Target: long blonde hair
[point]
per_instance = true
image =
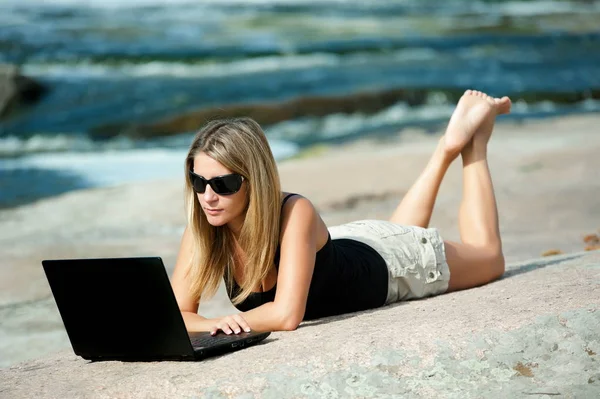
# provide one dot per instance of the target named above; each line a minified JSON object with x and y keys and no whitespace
{"x":242,"y":147}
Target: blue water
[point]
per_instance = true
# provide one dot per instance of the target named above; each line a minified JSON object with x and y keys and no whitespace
{"x":111,"y":63}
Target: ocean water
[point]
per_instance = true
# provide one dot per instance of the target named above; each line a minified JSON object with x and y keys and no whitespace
{"x":111,"y":64}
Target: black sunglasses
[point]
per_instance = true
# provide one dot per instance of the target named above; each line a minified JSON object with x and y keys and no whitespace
{"x":222,"y":185}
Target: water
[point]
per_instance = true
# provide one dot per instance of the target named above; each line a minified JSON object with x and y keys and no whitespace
{"x":113,"y":64}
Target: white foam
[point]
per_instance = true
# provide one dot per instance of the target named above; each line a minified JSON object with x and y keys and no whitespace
{"x":84,"y":69}
{"x":164,"y":3}
{"x":107,"y":168}
{"x":176,"y":69}
{"x":523,"y":8}
{"x":12,"y":146}
{"x":341,"y":125}
{"x":541,"y":7}
{"x":44,"y":143}
{"x":590,"y":104}
{"x":103,"y":168}
{"x":437,"y":108}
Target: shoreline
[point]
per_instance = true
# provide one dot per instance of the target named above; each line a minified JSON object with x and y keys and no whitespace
{"x":544,"y":174}
{"x":61,"y":168}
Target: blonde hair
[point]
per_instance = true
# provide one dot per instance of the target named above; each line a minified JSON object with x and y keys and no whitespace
{"x":242,"y":147}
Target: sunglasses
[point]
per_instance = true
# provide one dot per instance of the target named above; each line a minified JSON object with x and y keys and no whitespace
{"x":222,"y":185}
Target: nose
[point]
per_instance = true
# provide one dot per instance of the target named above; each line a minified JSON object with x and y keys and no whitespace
{"x":209,"y":194}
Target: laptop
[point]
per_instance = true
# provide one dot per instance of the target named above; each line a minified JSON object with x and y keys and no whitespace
{"x":125,"y":309}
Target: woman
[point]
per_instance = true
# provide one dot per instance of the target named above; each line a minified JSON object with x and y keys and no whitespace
{"x":281,"y":264}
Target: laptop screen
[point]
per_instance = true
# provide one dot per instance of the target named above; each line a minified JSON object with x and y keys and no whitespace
{"x":117,"y":307}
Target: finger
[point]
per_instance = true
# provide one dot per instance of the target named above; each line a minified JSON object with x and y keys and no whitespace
{"x":233,"y":325}
{"x":217,"y":327}
{"x":242,"y":322}
{"x":225,"y":327}
{"x":220,"y":327}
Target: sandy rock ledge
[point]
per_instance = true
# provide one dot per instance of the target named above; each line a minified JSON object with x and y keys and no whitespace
{"x":534,"y":333}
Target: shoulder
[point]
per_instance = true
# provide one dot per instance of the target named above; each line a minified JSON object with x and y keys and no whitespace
{"x":301,"y":222}
{"x":297,"y":210}
{"x":293,"y":203}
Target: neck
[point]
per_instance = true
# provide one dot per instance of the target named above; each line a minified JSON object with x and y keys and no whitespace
{"x":235,"y":226}
{"x":235,"y":231}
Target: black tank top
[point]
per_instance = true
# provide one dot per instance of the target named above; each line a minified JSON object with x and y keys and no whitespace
{"x":349,"y":276}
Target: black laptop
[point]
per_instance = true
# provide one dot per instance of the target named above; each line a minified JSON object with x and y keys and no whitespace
{"x":125,"y":309}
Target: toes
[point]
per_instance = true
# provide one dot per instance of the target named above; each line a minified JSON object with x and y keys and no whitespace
{"x":484,"y":96}
{"x":474,"y":93}
{"x":504,"y":105}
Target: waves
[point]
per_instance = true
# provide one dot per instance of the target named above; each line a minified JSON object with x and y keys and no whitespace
{"x":33,"y":175}
{"x":115,"y":56}
{"x":518,"y":7}
{"x":115,"y":33}
{"x":104,"y":96}
{"x":45,"y":165}
{"x":287,"y":137}
{"x":84,"y":70}
{"x":129,"y":78}
{"x":13,"y":147}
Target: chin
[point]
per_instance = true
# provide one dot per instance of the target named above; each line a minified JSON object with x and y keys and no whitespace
{"x":216,"y":221}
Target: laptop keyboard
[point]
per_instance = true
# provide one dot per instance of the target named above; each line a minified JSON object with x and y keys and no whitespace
{"x":207,"y":340}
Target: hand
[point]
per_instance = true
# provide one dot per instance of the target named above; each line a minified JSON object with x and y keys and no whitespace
{"x":230,"y":324}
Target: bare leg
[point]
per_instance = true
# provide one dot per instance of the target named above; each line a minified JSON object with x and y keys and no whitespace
{"x":416,"y":207}
{"x":478,"y":259}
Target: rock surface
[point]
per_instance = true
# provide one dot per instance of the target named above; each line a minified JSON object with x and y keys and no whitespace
{"x":534,"y":332}
{"x":16,"y":90}
{"x":368,"y":102}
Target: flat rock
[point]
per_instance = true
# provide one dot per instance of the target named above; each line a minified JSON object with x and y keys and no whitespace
{"x":269,"y":113}
{"x":534,"y":333}
{"x":17,"y":90}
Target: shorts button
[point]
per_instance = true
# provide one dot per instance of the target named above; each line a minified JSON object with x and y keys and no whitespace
{"x":431,"y":275}
{"x":424,"y":240}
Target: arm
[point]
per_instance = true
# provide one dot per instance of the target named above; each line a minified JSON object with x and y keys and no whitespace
{"x":180,"y":283}
{"x":300,"y":227}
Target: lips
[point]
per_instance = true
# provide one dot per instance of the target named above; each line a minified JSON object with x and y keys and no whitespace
{"x":213,"y":211}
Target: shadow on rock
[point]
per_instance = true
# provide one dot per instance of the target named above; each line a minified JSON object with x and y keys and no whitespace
{"x":345,"y":316}
{"x":529,"y":267}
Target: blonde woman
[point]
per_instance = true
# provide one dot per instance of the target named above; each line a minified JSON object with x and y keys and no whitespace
{"x":282,"y":265}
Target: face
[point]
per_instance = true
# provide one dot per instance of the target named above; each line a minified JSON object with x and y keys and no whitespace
{"x":220,"y":209}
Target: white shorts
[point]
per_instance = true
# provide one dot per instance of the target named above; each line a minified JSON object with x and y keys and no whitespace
{"x":415,"y":256}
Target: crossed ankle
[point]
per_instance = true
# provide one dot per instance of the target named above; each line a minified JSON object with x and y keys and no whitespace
{"x":475,"y":147}
{"x":443,"y":155}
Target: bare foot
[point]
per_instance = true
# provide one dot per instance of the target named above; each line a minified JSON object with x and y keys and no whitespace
{"x":475,"y":111}
{"x":483,"y":134}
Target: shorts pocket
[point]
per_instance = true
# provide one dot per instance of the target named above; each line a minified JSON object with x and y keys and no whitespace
{"x":404,"y":258}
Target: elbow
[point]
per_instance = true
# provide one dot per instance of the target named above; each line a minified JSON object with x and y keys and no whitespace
{"x":290,"y":321}
{"x":289,"y":325}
